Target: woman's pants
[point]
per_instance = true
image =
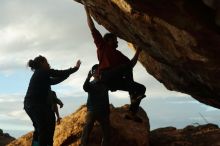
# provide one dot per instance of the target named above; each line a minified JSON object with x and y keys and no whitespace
{"x":44,"y":122}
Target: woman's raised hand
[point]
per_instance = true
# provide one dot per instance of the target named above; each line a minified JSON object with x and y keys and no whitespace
{"x":78,"y":63}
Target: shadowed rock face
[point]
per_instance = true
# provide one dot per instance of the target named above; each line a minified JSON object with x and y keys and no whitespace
{"x":179,"y":38}
{"x":204,"y":135}
{"x":5,"y":138}
{"x":124,"y":132}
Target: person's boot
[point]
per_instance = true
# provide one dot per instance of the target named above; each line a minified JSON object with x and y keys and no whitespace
{"x":135,"y":102}
{"x":135,"y":99}
{"x":140,"y":97}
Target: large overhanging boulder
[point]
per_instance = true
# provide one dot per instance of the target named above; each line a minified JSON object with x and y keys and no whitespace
{"x":179,"y":38}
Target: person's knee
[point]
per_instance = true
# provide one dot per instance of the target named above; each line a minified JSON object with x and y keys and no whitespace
{"x":143,"y":88}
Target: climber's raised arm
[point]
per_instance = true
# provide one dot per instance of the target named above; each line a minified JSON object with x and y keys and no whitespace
{"x":95,"y":33}
{"x":89,"y":19}
{"x":135,"y":58}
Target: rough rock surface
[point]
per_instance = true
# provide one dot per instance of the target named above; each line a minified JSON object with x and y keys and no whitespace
{"x":5,"y":138}
{"x":123,"y":132}
{"x":205,"y":135}
{"x":215,"y":5}
{"x":128,"y":133}
{"x":179,"y":38}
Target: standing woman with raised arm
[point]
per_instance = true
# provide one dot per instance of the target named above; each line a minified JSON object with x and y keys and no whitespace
{"x":36,"y":103}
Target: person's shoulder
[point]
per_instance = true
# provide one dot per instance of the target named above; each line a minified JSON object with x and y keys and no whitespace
{"x":39,"y":71}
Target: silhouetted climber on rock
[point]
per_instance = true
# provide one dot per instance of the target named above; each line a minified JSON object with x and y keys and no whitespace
{"x":97,"y":107}
{"x":115,"y":69}
{"x":36,"y":99}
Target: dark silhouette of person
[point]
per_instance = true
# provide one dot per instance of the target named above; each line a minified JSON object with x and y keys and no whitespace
{"x":54,"y":101}
{"x":97,"y":107}
{"x":36,"y":98}
{"x":115,"y":68}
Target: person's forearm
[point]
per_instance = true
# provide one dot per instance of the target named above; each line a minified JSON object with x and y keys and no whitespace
{"x":135,"y":58}
{"x":89,"y":19}
{"x":90,"y":22}
{"x":57,"y":112}
{"x":57,"y":80}
{"x":57,"y":76}
{"x":60,"y":73}
{"x":74,"y":69}
{"x":87,"y":84}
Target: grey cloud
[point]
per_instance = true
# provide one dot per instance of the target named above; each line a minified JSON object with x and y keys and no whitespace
{"x":57,"y":29}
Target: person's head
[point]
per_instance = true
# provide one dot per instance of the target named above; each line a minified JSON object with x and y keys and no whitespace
{"x":94,"y":71}
{"x":111,"y":40}
{"x":39,"y":62}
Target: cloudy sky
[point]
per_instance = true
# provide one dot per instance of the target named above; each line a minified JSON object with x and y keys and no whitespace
{"x":57,"y":29}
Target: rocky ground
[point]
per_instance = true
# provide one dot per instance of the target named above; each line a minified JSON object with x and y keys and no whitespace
{"x":126,"y":132}
{"x":202,"y":135}
{"x":5,"y":138}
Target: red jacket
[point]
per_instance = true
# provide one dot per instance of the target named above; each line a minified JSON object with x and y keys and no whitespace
{"x":108,"y":57}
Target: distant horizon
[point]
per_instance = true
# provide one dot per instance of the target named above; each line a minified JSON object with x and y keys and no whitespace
{"x":58,"y":30}
{"x":156,"y":120}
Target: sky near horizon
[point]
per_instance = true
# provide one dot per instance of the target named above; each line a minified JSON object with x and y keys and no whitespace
{"x":58,"y":30}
